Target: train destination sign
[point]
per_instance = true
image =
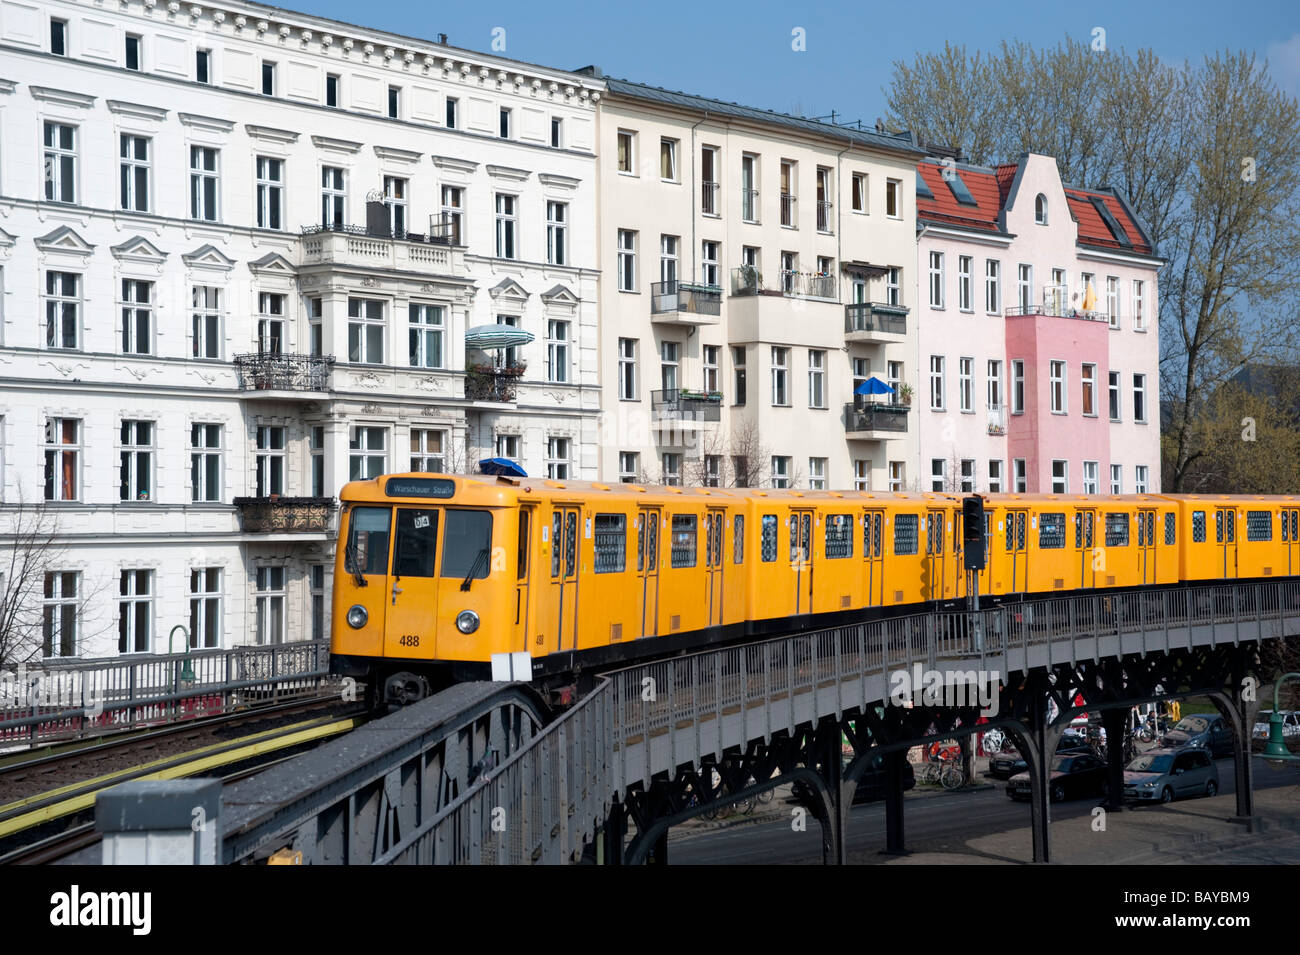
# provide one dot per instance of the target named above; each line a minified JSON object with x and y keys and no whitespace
{"x":420,"y":487}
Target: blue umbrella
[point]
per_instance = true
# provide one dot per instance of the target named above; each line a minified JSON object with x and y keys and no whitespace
{"x":501,"y":466}
{"x":873,"y":386}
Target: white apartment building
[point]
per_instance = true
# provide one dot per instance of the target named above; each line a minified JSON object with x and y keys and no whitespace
{"x":755,"y":268}
{"x":239,"y":252}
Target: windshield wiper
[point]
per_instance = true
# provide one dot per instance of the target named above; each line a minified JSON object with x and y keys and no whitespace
{"x":482,"y":555}
{"x":350,"y":558}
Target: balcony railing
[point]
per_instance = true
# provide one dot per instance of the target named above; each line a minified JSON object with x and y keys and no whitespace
{"x":283,"y":515}
{"x":876,"y":417}
{"x":271,"y":372}
{"x":787,"y":208}
{"x":997,"y":420}
{"x":748,"y":280}
{"x":1055,"y":310}
{"x":825,"y":215}
{"x":749,"y":205}
{"x":489,"y":383}
{"x":875,"y":317}
{"x":686,"y":405}
{"x":678,"y":296}
{"x":709,"y":198}
{"x":442,"y":230}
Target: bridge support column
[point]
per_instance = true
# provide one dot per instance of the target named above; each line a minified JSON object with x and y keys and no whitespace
{"x":1116,"y":723}
{"x":1041,"y":748}
{"x":894,"y":836}
{"x":832,"y":759}
{"x":610,"y":836}
{"x":1242,"y":775}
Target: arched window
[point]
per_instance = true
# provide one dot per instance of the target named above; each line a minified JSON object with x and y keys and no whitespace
{"x":1040,"y":209}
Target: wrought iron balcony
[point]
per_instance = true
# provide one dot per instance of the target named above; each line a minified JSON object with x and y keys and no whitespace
{"x":874,"y":317}
{"x":681,"y":404}
{"x":825,"y":215}
{"x":285,"y":515}
{"x":875,"y":417}
{"x":1055,"y":310}
{"x":490,"y":383}
{"x":788,"y":209}
{"x":709,"y":198}
{"x":747,"y":280}
{"x":267,"y":371}
{"x":675,"y":296}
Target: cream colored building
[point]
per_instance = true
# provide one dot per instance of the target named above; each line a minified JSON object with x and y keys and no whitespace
{"x":755,"y":267}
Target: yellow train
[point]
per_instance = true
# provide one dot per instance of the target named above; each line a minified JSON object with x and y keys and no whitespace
{"x":438,"y":577}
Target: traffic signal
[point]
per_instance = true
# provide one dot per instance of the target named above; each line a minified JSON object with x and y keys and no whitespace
{"x":972,"y":532}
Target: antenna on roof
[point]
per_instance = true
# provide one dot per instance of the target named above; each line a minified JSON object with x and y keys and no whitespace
{"x":442,"y":38}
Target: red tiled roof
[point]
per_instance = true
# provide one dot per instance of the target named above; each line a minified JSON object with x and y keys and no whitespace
{"x":1093,"y":229}
{"x":1006,"y":174}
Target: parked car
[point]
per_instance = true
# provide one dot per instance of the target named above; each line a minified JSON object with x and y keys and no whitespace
{"x":1072,"y":775}
{"x":871,"y":787}
{"x":1163,"y":774}
{"x":1290,"y":724}
{"x":1205,"y":730}
{"x":1006,"y":765}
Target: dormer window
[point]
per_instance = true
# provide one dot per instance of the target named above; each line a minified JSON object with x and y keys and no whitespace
{"x":1040,"y":209}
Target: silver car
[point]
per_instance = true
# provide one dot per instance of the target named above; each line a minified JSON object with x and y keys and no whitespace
{"x":1290,"y":724}
{"x":1161,"y":775}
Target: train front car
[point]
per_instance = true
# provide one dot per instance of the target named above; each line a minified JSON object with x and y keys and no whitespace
{"x":422,"y":598}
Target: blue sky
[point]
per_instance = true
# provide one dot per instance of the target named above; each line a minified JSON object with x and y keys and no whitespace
{"x":742,"y":52}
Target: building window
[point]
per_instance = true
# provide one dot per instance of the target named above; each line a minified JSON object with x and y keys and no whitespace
{"x":936,"y":280}
{"x":994,"y":391}
{"x":134,"y":52}
{"x":1017,"y":386}
{"x":428,"y":450}
{"x":668,"y":160}
{"x":271,"y":598}
{"x":205,"y":608}
{"x":316,"y":577}
{"x":1117,"y":479}
{"x":557,"y":351}
{"x":1060,"y":477}
{"x":709,"y":181}
{"x":626,"y":152}
{"x":395,"y":198}
{"x":861,"y":474}
{"x":206,"y":322}
{"x":995,"y":476}
{"x":816,"y":378}
{"x":780,"y":471}
{"x":394,"y":102}
{"x":894,"y":198}
{"x":60,"y":614}
{"x":557,"y":132}
{"x":668,"y":365}
{"x":626,"y":260}
{"x":557,"y":243}
{"x":135,"y":612}
{"x":710,"y":356}
{"x":134,"y":192}
{"x":62,"y":459}
{"x":748,"y":192}
{"x":1112,"y":300}
{"x":780,"y":359}
{"x":269,"y":460}
{"x":136,"y":470}
{"x":1091,"y":477}
{"x":366,"y":331}
{"x":859,"y":192}
{"x":966,"y":384}
{"x":937,"y":474}
{"x":452,"y":112}
{"x":738,"y":374}
{"x":861,"y":370}
{"x":425,"y":334}
{"x":1089,"y":376}
{"x":1140,"y":398}
{"x":992,"y":286}
{"x":897,"y":475}
{"x":270,"y":323}
{"x":558,"y":451}
{"x":816,"y":474}
{"x":453,"y":213}
{"x":789,"y":272}
{"x":504,"y":123}
{"x":270,"y":193}
{"x":964,"y":282}
{"x":333,"y":197}
{"x":333,"y":90}
{"x":668,"y":258}
{"x":893,"y":286}
{"x":629,"y":467}
{"x":268,"y":78}
{"x":1114,"y":395}
{"x":1019,"y":475}
{"x":317,"y":452}
{"x":1057,"y":373}
{"x":367,"y":452}
{"x":1140,"y":479}
{"x":936,"y":383}
{"x":709,"y":254}
{"x":788,"y":197}
{"x":1040,"y":209}
{"x":968,"y":475}
{"x":507,"y":226}
{"x":205,"y":463}
{"x":60,"y":162}
{"x":58,"y":37}
{"x":508,"y":446}
{"x":1139,"y":309}
{"x":825,"y":207}
{"x":204,"y":178}
{"x":137,"y":317}
{"x":627,"y":369}
{"x":510,"y":356}
{"x":1025,"y":286}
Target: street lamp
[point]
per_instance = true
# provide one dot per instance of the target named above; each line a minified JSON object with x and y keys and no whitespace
{"x":1276,"y":753}
{"x":187,"y":670}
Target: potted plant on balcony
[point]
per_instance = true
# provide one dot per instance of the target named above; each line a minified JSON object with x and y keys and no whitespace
{"x":905,"y":395}
{"x":516,"y":370}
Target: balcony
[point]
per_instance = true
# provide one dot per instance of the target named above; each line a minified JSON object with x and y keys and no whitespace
{"x":280,"y":377}
{"x":1055,"y":310}
{"x":875,"y":422}
{"x":681,"y":404}
{"x":748,"y":280}
{"x":434,"y":251}
{"x":997,"y":420}
{"x":874,"y":322}
{"x":788,"y":210}
{"x":490,"y":383}
{"x":680,"y":303}
{"x":825,"y":216}
{"x":285,"y":515}
{"x":709,"y":198}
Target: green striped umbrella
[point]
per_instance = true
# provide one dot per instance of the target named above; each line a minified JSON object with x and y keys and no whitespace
{"x":496,"y":336}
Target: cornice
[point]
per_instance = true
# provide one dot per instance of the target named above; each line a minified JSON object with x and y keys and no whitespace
{"x":208,"y":123}
{"x":137,"y":110}
{"x":271,"y":134}
{"x":62,"y":97}
{"x":335,"y":145}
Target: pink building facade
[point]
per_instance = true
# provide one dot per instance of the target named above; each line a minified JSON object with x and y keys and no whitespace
{"x":1037,"y":334}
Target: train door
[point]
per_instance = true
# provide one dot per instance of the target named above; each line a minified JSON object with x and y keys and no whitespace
{"x":873,"y":552}
{"x":1290,"y":520}
{"x":564,"y":575}
{"x":1085,"y":529}
{"x":935,"y":554}
{"x":1225,"y":535}
{"x":801,"y":560}
{"x":1146,"y":519}
{"x":715,"y":518}
{"x":648,"y":520}
{"x":1017,"y":540}
{"x":524,"y":570}
{"x":412,"y":612}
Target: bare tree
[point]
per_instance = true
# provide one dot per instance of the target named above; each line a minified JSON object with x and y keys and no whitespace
{"x":29,"y":549}
{"x":746,"y":452}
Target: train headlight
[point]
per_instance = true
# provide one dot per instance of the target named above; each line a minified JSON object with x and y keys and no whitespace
{"x":467,"y":621}
{"x":357,"y":616}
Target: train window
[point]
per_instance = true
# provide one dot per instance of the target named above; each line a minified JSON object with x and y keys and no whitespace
{"x":417,"y":542}
{"x":1230,"y":525}
{"x":1259,"y":526}
{"x":570,"y":543}
{"x":1116,"y":530}
{"x":523,"y":543}
{"x":738,"y":540}
{"x":684,"y":549}
{"x":769,"y":538}
{"x":557,"y":522}
{"x":1011,"y":532}
{"x":1051,"y":530}
{"x":1171,"y":529}
{"x":1078,"y":529}
{"x":839,"y":535}
{"x":875,"y":535}
{"x":1295,"y":518}
{"x":1198,"y":527}
{"x":1283,"y":522}
{"x":367,"y":550}
{"x":466,"y":544}
{"x":611,"y":543}
{"x":905,"y":534}
{"x":1218,"y":527}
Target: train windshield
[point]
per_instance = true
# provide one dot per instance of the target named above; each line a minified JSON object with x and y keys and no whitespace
{"x":467,"y":544}
{"x":367,"y":550}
